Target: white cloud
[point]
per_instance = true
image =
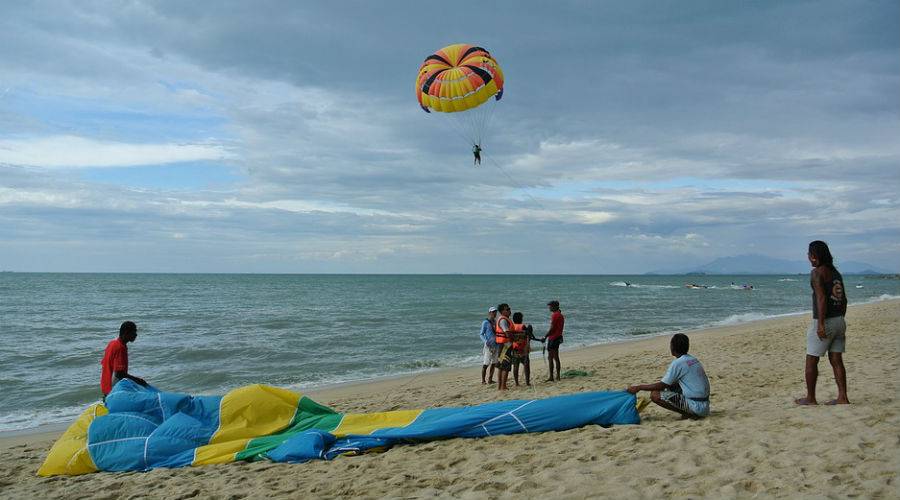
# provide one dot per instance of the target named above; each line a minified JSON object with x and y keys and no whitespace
{"x":68,"y":151}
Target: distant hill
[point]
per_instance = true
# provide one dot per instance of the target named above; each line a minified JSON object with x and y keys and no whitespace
{"x":761,"y":264}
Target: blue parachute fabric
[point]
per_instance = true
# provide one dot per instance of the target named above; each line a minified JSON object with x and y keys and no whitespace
{"x":306,"y":446}
{"x":145,"y":428}
{"x":503,"y":417}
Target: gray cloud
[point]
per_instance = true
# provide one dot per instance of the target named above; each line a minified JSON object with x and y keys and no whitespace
{"x":609,"y":108}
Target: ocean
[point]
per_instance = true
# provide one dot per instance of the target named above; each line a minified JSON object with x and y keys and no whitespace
{"x":208,"y":333}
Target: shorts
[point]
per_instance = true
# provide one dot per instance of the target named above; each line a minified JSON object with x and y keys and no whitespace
{"x":678,"y":400}
{"x":554,"y":344}
{"x":835,"y":338}
{"x":505,"y":357}
{"x":489,"y":355}
{"x":516,"y":356}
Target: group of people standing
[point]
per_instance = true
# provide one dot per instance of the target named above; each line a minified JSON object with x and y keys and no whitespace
{"x":684,"y":388}
{"x":507,"y":340}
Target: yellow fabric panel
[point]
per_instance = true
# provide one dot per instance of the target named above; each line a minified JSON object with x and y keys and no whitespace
{"x":220,"y":453}
{"x":467,"y":86}
{"x":454,"y":51}
{"x":246,"y":413}
{"x":447,"y":86}
{"x":450,"y":105}
{"x":365,"y":423}
{"x":69,"y":455}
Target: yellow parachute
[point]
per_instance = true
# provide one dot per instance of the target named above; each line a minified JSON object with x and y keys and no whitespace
{"x":459,"y":79}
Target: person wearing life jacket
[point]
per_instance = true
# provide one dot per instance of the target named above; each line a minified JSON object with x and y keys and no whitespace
{"x":522,"y":337}
{"x":503,"y":331}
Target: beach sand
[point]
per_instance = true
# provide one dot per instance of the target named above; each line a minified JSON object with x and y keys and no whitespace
{"x":756,"y":442}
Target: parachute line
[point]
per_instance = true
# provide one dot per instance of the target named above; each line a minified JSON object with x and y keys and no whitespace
{"x":513,"y":181}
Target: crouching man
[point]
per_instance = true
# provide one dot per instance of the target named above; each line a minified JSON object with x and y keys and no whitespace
{"x":684,"y":388}
{"x":115,"y":360}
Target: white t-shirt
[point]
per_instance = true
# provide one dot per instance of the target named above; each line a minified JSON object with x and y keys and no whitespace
{"x":688,"y":373}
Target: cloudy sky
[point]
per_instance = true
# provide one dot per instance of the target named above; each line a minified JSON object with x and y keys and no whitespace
{"x":286,"y":137}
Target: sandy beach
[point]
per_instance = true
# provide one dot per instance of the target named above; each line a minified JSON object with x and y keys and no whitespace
{"x":756,"y":443}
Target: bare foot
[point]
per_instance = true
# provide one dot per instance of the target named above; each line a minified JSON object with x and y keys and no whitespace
{"x":838,"y":402}
{"x":805,"y":402}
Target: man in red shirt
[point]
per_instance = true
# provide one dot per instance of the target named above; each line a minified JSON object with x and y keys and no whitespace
{"x":115,"y":359}
{"x":554,"y":337}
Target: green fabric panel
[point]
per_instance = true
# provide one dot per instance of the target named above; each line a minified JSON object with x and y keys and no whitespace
{"x":309,"y":415}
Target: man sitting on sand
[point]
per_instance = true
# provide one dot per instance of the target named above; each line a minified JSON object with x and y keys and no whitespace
{"x":489,"y":351}
{"x":115,"y":359}
{"x":684,"y":388}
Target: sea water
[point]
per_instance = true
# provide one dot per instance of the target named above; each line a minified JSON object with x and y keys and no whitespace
{"x":208,"y":333}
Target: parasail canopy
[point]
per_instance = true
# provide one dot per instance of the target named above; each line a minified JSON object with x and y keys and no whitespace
{"x":460,"y":80}
{"x":142,"y":428}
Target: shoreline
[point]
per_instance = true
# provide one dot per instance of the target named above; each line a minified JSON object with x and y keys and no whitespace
{"x":335,"y":391}
{"x":756,"y":442}
{"x":53,"y":430}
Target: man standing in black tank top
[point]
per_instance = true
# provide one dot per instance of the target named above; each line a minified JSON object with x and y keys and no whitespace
{"x":828,"y":329}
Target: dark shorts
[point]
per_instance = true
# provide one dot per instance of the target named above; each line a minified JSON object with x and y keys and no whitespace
{"x":505,"y":357}
{"x":553,"y":345}
{"x":517,"y":356}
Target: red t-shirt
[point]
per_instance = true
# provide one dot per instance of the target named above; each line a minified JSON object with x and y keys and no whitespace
{"x":557,"y":320}
{"x":115,"y":359}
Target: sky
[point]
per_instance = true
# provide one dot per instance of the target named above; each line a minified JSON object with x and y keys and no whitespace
{"x":285,"y":137}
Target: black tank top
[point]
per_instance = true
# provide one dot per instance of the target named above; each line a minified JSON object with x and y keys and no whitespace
{"x":836,"y":296}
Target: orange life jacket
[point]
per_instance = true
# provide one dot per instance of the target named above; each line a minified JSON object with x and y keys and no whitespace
{"x":520,"y":345}
{"x":500,"y":336}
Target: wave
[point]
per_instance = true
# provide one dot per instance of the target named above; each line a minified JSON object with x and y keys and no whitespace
{"x":641,"y":285}
{"x":30,"y":419}
{"x":881,"y":298}
{"x":736,"y":319}
{"x":420,"y":364}
{"x":787,"y":279}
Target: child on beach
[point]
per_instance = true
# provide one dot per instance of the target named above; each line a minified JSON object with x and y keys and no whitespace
{"x":114,"y":365}
{"x":521,"y":347}
{"x":684,"y":388}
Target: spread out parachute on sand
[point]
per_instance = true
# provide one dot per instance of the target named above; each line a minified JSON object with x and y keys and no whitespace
{"x":143,"y":428}
{"x":458,"y":80}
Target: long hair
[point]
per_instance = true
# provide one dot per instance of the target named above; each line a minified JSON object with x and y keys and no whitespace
{"x":819,"y":250}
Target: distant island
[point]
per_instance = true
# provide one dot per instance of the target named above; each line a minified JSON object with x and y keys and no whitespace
{"x":762,"y":264}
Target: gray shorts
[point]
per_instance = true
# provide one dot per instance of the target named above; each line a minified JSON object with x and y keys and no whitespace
{"x":678,"y":400}
{"x":835,"y":338}
{"x":489,"y":355}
